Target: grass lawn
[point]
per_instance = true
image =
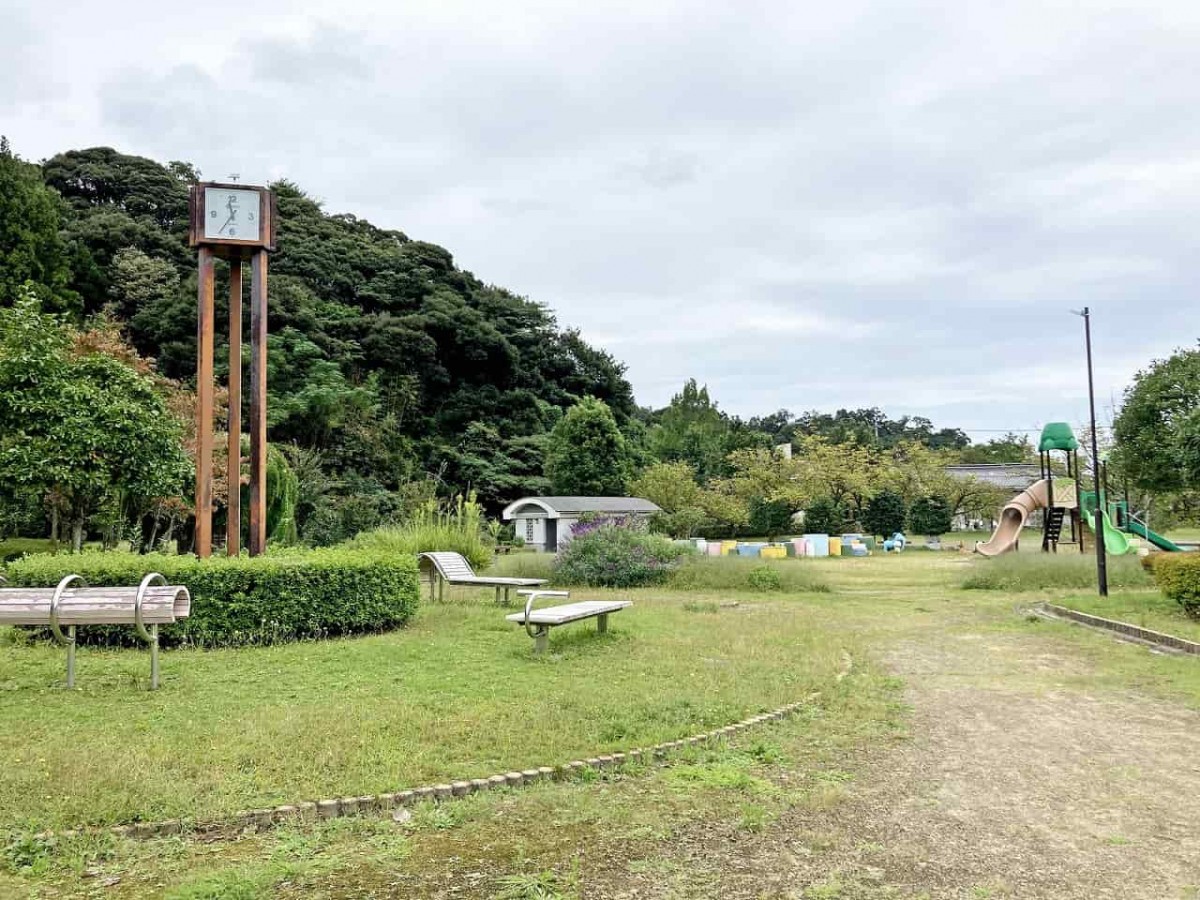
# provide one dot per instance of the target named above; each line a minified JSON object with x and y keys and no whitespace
{"x":459,"y":694}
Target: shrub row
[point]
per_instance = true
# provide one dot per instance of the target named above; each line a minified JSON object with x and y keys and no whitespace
{"x":1178,"y":577}
{"x":261,"y":600}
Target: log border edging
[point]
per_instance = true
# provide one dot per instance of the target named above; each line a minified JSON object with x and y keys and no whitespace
{"x":1156,"y":638}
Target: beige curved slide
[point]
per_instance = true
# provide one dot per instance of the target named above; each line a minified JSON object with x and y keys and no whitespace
{"x":1018,"y":510}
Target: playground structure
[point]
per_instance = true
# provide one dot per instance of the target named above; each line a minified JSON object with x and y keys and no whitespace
{"x":1063,"y":503}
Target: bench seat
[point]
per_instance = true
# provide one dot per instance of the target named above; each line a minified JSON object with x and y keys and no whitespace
{"x":538,"y":622}
{"x":570,"y":612}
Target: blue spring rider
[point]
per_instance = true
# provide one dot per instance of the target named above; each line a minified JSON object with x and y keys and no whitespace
{"x":895,"y":543}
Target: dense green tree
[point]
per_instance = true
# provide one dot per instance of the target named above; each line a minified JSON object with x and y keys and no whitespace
{"x":83,"y":426}
{"x":1011,"y":448}
{"x":586,"y":455}
{"x":824,"y":515}
{"x":32,"y":255}
{"x":885,"y":513}
{"x":1155,"y":421}
{"x":770,"y":518}
{"x":692,"y":430}
{"x":930,"y":516}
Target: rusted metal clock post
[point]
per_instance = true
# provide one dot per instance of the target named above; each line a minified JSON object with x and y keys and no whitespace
{"x":234,"y":222}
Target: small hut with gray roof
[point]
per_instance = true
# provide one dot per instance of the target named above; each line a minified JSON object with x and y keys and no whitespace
{"x":545,"y":523}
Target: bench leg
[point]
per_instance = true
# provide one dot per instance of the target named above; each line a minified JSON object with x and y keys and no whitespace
{"x":71,"y":657}
{"x":441,"y":589}
{"x":541,"y":641}
{"x":506,"y":596}
{"x":154,"y":657}
{"x":602,"y":623}
{"x":497,"y":595}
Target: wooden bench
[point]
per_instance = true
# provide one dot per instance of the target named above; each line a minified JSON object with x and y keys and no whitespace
{"x":149,"y":604}
{"x":539,"y":622}
{"x":452,"y":568}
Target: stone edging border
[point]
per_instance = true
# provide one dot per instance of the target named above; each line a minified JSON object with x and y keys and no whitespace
{"x":1146,"y":635}
{"x":336,"y":807}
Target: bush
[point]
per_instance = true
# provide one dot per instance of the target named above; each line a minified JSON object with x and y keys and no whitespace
{"x":616,"y":554}
{"x":765,"y":578}
{"x":1038,"y":571}
{"x":1178,"y":577}
{"x":260,"y":600}
{"x":737,"y":573}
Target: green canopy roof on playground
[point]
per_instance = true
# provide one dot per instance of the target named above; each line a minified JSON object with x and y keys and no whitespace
{"x":1057,"y":436}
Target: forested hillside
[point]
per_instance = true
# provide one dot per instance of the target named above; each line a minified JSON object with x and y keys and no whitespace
{"x":394,"y":375}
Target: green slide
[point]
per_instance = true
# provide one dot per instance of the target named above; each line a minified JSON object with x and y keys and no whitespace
{"x":1157,"y":540}
{"x":1115,"y":540}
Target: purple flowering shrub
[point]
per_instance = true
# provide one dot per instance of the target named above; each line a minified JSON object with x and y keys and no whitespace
{"x":615,"y":552}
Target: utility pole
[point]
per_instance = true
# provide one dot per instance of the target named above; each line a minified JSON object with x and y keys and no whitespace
{"x":1101,"y":559}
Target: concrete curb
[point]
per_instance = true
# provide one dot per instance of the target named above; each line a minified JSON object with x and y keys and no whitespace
{"x":1145,"y":635}
{"x":310,"y":811}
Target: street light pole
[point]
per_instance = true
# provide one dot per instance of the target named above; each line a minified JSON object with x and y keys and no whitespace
{"x":1101,"y":559}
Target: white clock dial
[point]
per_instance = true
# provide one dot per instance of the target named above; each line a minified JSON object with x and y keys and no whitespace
{"x":231,"y":213}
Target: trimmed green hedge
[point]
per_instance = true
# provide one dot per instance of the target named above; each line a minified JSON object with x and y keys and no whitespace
{"x":1178,"y":577}
{"x":261,"y":600}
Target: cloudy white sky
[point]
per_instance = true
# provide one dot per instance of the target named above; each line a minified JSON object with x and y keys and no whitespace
{"x":805,"y":205}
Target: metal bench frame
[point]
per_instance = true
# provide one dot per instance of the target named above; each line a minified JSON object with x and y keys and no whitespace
{"x":150,"y":636}
{"x":465,"y":576}
{"x":540,"y":631}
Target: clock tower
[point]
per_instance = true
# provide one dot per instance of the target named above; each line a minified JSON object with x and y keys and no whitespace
{"x":236,"y":223}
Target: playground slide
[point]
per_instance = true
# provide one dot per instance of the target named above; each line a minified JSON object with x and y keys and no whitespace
{"x":1116,"y":541}
{"x":1156,"y":539}
{"x":1018,"y":509}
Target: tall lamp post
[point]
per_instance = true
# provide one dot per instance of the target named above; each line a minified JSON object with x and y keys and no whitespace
{"x":1098,"y":519}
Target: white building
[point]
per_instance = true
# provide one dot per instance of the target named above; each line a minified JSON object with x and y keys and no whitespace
{"x":545,"y":523}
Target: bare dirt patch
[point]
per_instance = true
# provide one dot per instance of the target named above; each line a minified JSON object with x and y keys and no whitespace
{"x":1013,"y":786}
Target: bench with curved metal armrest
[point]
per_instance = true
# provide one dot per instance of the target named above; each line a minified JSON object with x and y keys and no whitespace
{"x":539,"y":622}
{"x":447,"y":567}
{"x":149,"y":604}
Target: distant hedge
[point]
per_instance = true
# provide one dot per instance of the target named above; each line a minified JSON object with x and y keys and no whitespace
{"x":1178,"y":577}
{"x":261,"y":600}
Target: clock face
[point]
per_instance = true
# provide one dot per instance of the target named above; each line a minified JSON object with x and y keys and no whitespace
{"x":232,"y":214}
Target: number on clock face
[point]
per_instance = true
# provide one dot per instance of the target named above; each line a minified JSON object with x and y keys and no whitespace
{"x":232,"y":213}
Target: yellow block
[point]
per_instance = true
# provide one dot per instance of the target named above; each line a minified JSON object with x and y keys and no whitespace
{"x":835,"y":546}
{"x":773,"y":553}
{"x":728,"y":547}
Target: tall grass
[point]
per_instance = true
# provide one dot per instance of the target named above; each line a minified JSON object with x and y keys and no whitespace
{"x":524,"y":565}
{"x":456,"y":526}
{"x":1041,"y":571}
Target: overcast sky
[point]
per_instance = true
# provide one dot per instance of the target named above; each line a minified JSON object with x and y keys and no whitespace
{"x":804,"y":205}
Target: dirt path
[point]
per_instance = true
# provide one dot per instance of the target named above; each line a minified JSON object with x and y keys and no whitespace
{"x":1012,"y":786}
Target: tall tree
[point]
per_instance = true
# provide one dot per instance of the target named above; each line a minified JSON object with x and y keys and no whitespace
{"x":1153,"y":420}
{"x":587,"y":453}
{"x":32,"y":255}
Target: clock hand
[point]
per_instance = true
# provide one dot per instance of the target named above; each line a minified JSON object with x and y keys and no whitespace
{"x":227,"y":221}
